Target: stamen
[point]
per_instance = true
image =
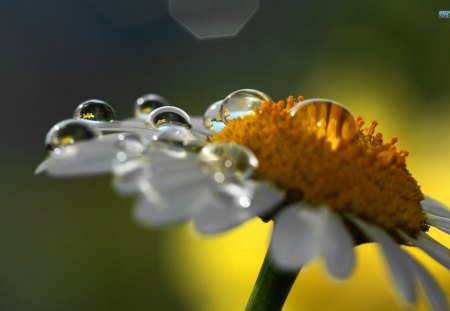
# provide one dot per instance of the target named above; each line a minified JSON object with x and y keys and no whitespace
{"x":363,"y":176}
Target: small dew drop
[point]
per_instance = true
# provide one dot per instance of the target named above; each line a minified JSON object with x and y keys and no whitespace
{"x":244,"y":202}
{"x":121,"y":156}
{"x":95,"y":110}
{"x":131,"y":143}
{"x":241,"y":103}
{"x":219,"y":177}
{"x":327,"y":118}
{"x":212,"y":119}
{"x":146,"y":104}
{"x":168,"y":117}
{"x":69,"y":132}
{"x":232,"y":160}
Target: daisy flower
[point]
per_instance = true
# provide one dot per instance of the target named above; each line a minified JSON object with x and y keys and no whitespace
{"x":327,"y":182}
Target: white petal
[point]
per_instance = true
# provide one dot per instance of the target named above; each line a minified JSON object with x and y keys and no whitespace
{"x":129,"y":175}
{"x":295,"y":238}
{"x":121,"y":126}
{"x":218,"y":214}
{"x":91,"y":157}
{"x":434,"y":207}
{"x":223,"y":210}
{"x":86,"y":162}
{"x":187,"y":181}
{"x":439,"y":222}
{"x":432,"y":290}
{"x":42,"y":167}
{"x":163,"y":165}
{"x":158,"y":209}
{"x":336,"y":245}
{"x":395,"y":258}
{"x":433,"y":248}
{"x":152,"y":214}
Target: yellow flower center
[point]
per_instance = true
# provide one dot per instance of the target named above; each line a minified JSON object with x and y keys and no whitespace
{"x":364,"y":176}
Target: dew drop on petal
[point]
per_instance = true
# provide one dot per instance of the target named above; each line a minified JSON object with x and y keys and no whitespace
{"x":171,"y":141}
{"x":328,"y":119}
{"x":212,"y":119}
{"x":95,"y":110}
{"x":69,"y":132}
{"x":241,"y":103}
{"x":230,"y":159}
{"x":131,"y":143}
{"x":194,"y":144}
{"x":168,"y":117}
{"x":146,"y":104}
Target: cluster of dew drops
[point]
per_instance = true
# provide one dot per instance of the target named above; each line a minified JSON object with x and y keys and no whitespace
{"x":172,"y":130}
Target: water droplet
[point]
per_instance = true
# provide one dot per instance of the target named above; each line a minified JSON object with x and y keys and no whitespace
{"x":95,"y":110}
{"x":212,"y":119}
{"x":172,"y":141}
{"x":241,"y":103}
{"x":69,"y":132}
{"x":194,"y":144}
{"x":146,"y":104}
{"x":327,"y":118}
{"x":168,"y":117}
{"x":131,"y":143}
{"x":232,"y":160}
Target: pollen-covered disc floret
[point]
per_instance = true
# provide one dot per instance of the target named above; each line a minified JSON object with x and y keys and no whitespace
{"x":363,"y":176}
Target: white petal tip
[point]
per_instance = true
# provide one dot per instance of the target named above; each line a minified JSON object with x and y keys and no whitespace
{"x":41,"y":168}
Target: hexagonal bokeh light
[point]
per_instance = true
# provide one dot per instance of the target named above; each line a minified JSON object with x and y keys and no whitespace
{"x":209,"y":19}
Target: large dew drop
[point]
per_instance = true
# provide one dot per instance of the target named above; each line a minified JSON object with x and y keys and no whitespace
{"x":69,"y":132}
{"x":95,"y":110}
{"x":168,"y":117}
{"x":241,"y":103}
{"x":328,"y":119}
{"x":146,"y":104}
{"x":212,"y":119}
{"x":227,"y":161}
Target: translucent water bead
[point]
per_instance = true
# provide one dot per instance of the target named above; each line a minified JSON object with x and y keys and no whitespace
{"x":227,"y":161}
{"x":146,"y":104}
{"x":131,"y":143}
{"x":177,"y":142}
{"x":69,"y":132}
{"x":95,"y":110}
{"x":212,"y":119}
{"x":241,"y":103}
{"x":328,"y":119}
{"x":168,"y":117}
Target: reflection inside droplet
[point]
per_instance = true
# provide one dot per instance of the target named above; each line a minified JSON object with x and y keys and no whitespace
{"x":241,"y":103}
{"x":95,"y":110}
{"x":212,"y":119}
{"x":327,"y":118}
{"x":146,"y":104}
{"x":69,"y":132}
{"x":232,"y":160}
{"x":168,"y":117}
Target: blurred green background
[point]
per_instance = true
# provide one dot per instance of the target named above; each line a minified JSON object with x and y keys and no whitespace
{"x":71,"y":244}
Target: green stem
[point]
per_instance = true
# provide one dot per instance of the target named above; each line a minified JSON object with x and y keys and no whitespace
{"x":271,"y":288}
